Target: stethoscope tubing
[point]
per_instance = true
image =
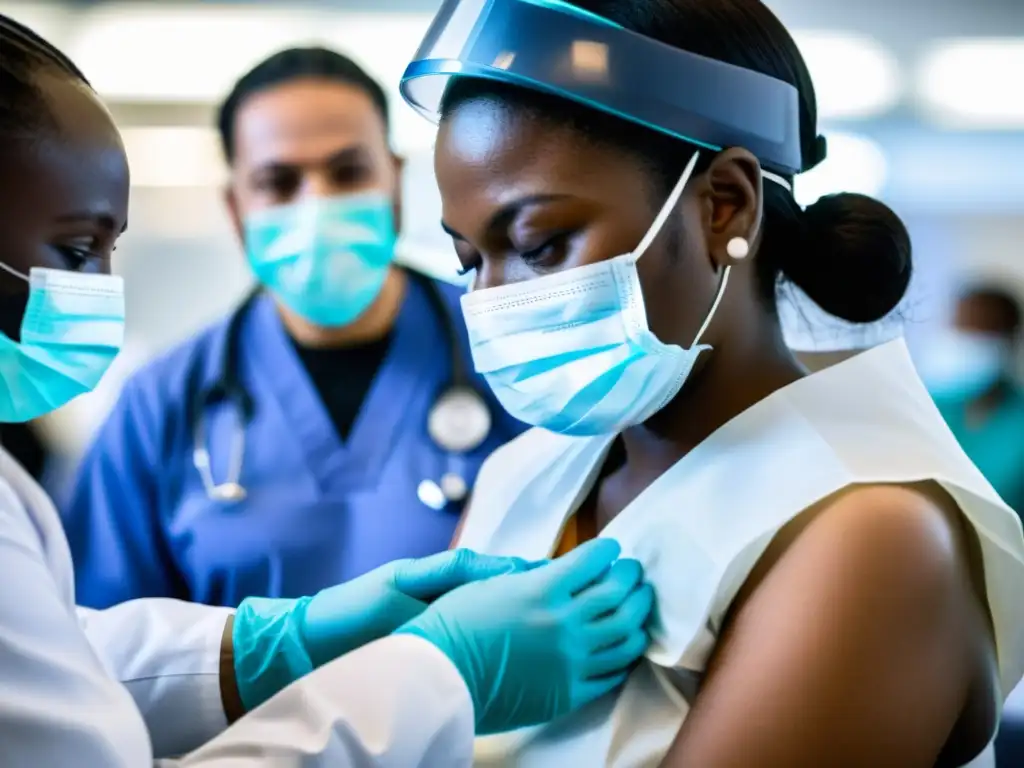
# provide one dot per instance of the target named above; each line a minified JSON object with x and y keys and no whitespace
{"x":228,"y":387}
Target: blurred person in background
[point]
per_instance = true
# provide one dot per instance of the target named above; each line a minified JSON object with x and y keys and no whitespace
{"x":969,"y":370}
{"x":332,"y":423}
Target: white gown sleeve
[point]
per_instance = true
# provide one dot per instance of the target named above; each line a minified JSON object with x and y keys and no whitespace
{"x":58,"y":705}
{"x":396,"y":703}
{"x":166,"y":653}
{"x":79,"y":687}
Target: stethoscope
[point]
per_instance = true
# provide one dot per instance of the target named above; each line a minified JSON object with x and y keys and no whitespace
{"x":458,"y":422}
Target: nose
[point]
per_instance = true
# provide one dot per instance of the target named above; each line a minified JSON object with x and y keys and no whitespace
{"x":317,"y":182}
{"x":488,"y":275}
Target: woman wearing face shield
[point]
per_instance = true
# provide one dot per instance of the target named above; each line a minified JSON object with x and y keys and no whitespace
{"x":837,"y":584}
{"x":399,"y":667}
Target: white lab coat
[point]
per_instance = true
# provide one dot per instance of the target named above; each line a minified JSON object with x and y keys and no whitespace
{"x":122,"y":687}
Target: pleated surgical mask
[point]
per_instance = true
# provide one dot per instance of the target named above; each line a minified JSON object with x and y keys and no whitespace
{"x":326,"y":259}
{"x":571,"y":352}
{"x":72,"y":330}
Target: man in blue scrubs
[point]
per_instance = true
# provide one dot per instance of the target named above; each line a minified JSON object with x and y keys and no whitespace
{"x":332,"y":373}
{"x":968,"y":370}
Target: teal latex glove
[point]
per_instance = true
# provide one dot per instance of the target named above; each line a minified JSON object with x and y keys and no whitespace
{"x":279,"y":641}
{"x":538,"y":645}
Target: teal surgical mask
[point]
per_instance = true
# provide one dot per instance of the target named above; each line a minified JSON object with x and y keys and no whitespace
{"x":960,"y":365}
{"x":72,"y":329}
{"x":326,"y":259}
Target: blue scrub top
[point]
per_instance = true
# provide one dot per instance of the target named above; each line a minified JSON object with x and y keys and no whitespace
{"x":319,"y":511}
{"x":996,"y":446}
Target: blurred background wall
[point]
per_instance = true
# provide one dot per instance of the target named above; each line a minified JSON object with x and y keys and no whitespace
{"x":923,"y":102}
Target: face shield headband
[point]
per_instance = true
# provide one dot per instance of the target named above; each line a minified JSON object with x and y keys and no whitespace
{"x":552,"y":46}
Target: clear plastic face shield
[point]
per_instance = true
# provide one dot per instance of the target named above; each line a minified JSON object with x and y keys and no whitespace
{"x":552,"y":46}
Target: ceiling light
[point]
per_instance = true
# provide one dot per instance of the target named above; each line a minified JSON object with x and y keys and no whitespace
{"x":179,"y":54}
{"x":974,"y":83}
{"x":195,"y":54}
{"x":854,"y":77}
{"x":854,"y":164}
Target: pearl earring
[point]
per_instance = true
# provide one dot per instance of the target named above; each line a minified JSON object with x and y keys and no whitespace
{"x":738,"y":248}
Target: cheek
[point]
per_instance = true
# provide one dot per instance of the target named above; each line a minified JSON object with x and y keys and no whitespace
{"x":23,"y":236}
{"x":679,"y":284}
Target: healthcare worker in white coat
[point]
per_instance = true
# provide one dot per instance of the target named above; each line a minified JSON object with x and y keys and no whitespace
{"x":399,"y":667}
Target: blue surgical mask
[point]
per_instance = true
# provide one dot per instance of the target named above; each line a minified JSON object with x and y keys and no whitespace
{"x":961,"y":365}
{"x":326,"y":259}
{"x":72,"y":330}
{"x":571,"y":351}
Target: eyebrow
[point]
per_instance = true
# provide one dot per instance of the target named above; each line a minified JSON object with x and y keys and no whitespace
{"x":501,"y":218}
{"x":346,"y":155}
{"x":105,"y":220}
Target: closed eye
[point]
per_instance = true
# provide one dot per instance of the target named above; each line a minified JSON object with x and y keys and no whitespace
{"x":550,"y":251}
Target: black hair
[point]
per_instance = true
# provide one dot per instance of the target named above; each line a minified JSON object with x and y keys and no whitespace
{"x":290,"y":65}
{"x":23,"y":54}
{"x":1004,"y":302}
{"x":850,"y":253}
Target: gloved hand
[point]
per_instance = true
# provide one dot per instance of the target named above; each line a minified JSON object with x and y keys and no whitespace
{"x":278,"y":641}
{"x":535,"y":646}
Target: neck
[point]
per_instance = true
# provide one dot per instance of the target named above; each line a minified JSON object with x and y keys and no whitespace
{"x":728,"y":382}
{"x":374,"y":324}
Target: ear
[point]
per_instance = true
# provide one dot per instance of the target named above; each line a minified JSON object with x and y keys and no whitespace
{"x":234,"y":212}
{"x":399,"y":165}
{"x":734,"y":203}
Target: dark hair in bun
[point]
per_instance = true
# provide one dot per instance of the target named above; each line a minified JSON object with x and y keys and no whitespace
{"x":849,"y":253}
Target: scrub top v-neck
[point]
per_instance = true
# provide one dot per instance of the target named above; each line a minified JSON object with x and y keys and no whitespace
{"x":343,"y":377}
{"x":323,"y":504}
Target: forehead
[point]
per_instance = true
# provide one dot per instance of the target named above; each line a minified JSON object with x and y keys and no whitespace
{"x":301,"y":118}
{"x":484,"y":146}
{"x":76,"y":166}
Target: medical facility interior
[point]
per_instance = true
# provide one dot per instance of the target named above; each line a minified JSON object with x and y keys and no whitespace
{"x":921,"y":103}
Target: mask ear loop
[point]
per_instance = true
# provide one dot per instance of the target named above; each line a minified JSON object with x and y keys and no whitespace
{"x":13,"y":271}
{"x":667,"y":209}
{"x":725,"y":273}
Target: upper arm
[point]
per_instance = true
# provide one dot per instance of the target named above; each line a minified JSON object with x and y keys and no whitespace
{"x":112,"y":516}
{"x":57,"y":705}
{"x":854,"y":649}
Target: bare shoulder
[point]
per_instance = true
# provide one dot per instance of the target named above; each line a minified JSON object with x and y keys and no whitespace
{"x":863,"y":615}
{"x":912,"y":538}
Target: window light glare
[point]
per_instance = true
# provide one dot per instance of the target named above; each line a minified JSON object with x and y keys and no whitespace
{"x":854,"y":164}
{"x":854,"y":77}
{"x":974,"y":83}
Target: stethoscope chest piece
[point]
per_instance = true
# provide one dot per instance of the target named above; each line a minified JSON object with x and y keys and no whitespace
{"x":459,"y":421}
{"x":451,"y":490}
{"x":228,"y":493}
